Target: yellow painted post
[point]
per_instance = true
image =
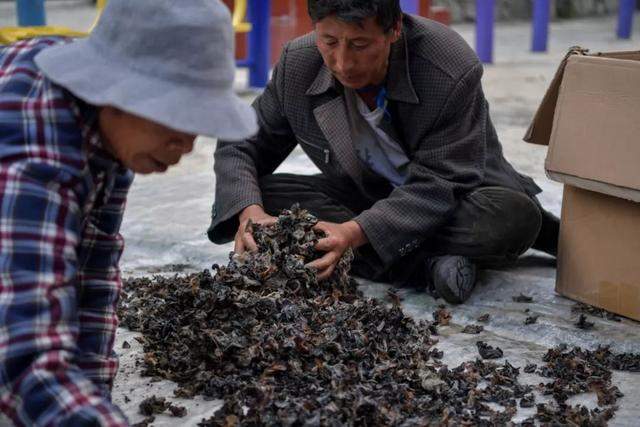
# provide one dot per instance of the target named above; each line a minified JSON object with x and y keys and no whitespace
{"x":239,"y":13}
{"x":10,"y":35}
{"x":100,"y":4}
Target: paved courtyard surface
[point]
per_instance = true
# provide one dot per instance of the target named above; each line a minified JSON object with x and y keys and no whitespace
{"x":167,"y":217}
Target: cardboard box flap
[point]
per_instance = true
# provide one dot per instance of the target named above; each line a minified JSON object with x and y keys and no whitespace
{"x":596,"y":124}
{"x":539,"y":131}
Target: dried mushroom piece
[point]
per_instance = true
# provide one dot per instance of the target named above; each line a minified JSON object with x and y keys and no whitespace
{"x":473,"y":329}
{"x":522,"y":298}
{"x":488,"y":352}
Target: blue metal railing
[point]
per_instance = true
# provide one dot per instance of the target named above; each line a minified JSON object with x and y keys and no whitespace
{"x":259,"y":43}
{"x":410,"y":6}
{"x":540,"y":35}
{"x":32,"y":13}
{"x":625,"y":18}
{"x":485,"y":22}
{"x":485,"y":12}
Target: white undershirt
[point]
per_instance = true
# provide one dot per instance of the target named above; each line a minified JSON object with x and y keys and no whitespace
{"x":374,"y":146}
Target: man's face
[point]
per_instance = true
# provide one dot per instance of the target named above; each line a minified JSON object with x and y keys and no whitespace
{"x":140,"y":144}
{"x":356,"y":54}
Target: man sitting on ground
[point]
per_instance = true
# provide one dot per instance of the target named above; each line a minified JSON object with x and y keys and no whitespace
{"x":390,"y":108}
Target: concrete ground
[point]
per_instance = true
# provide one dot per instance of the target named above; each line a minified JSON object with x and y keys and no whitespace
{"x":167,"y":217}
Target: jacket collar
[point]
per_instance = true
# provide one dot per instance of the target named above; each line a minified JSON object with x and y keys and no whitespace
{"x":399,"y":86}
{"x":322,"y":83}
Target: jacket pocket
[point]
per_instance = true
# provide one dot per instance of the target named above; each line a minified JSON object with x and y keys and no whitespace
{"x":323,"y":152}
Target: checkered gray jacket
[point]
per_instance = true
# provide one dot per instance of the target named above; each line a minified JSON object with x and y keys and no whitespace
{"x":439,"y":113}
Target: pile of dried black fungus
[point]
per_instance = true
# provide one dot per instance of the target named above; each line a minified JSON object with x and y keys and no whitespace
{"x":282,"y":349}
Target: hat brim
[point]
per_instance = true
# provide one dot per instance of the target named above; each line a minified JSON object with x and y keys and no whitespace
{"x":196,"y":110}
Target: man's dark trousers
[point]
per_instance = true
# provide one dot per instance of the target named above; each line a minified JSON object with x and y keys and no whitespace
{"x":489,"y":224}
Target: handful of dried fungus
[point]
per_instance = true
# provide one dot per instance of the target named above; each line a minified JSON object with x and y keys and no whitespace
{"x":282,"y":349}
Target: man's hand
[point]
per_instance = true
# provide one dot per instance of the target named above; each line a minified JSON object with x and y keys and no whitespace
{"x":338,"y":238}
{"x":244,"y":239}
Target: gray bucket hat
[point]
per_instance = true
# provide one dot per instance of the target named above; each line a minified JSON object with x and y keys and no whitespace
{"x":169,"y":61}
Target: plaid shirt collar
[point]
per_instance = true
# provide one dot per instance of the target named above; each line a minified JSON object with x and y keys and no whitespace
{"x":94,"y":142}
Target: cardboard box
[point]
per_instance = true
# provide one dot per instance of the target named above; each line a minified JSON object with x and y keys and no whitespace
{"x":598,"y":256}
{"x":590,"y":118}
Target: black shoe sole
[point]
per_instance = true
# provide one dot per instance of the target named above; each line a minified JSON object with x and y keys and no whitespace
{"x":465,"y":273}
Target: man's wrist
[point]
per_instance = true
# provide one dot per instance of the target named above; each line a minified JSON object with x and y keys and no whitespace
{"x":357,"y":237}
{"x":251,"y":211}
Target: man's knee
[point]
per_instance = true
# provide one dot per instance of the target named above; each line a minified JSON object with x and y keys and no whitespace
{"x":311,"y":192}
{"x":283,"y":183}
{"x":510,"y":221}
{"x":281,"y":191}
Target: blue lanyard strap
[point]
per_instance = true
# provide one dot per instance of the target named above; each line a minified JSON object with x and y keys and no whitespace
{"x":382,"y":102}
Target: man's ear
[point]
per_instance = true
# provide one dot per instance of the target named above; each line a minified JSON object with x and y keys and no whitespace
{"x":396,"y":31}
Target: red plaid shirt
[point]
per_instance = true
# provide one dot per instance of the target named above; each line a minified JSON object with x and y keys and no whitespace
{"x":62,"y":198}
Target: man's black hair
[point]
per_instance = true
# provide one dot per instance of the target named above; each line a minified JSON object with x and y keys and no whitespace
{"x":386,"y":12}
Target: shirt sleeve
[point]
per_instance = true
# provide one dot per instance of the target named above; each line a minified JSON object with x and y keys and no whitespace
{"x":39,"y":235}
{"x":238,"y":165}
